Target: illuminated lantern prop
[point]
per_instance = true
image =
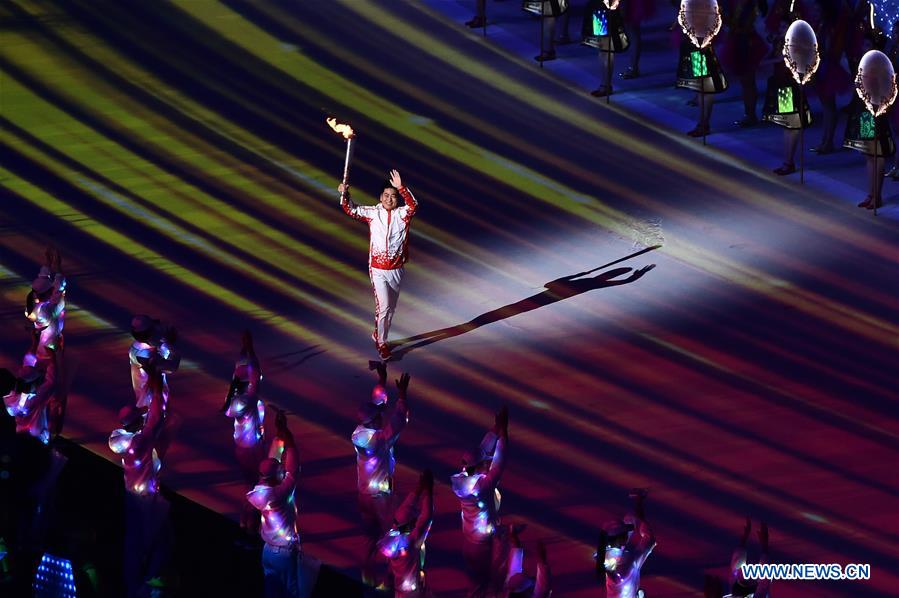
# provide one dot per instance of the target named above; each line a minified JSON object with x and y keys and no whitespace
{"x":875,"y":84}
{"x":700,"y":20}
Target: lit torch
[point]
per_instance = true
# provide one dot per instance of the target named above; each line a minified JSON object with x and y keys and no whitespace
{"x":346,"y":131}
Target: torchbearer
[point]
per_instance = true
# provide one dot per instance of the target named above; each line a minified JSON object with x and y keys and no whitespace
{"x":388,"y":227}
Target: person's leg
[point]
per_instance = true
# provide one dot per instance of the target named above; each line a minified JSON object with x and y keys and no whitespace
{"x":394,"y":280}
{"x":372,"y":531}
{"x":564,"y":38}
{"x":548,"y":49}
{"x":636,"y":49}
{"x":381,"y":291}
{"x":829,"y":124}
{"x":480,"y":17}
{"x":790,"y":141}
{"x":606,"y":64}
{"x":706,"y":101}
{"x":750,"y":93}
{"x":876,"y":169}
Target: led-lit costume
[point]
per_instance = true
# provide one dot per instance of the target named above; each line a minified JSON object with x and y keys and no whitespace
{"x":28,"y":401}
{"x":248,"y":410}
{"x":603,"y":27}
{"x":388,"y":252}
{"x":404,"y":545}
{"x":519,"y":583}
{"x":744,"y":587}
{"x":480,"y":499}
{"x":699,"y":69}
{"x":156,"y":349}
{"x":276,"y":502}
{"x":782,"y":101}
{"x":48,"y":314}
{"x":244,"y":405}
{"x":138,"y":447}
{"x":147,"y":530}
{"x":375,"y":464}
{"x":622,"y":564}
{"x":867,"y":135}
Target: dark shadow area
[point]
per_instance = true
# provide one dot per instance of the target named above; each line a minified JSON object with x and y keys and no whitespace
{"x":555,"y":290}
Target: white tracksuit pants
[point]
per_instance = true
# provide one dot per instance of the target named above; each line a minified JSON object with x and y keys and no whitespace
{"x":386,"y":286}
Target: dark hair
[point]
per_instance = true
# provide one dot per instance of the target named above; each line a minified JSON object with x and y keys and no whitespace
{"x":388,"y":184}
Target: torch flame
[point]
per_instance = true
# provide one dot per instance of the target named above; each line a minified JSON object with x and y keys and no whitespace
{"x":342,"y":128}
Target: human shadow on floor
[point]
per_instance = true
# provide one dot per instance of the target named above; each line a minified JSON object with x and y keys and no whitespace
{"x":556,"y":290}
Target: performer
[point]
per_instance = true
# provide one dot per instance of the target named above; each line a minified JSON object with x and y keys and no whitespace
{"x":742,"y":51}
{"x":380,"y":425}
{"x":624,"y":545}
{"x":870,"y":136}
{"x":738,"y":584}
{"x":636,"y":12}
{"x":549,"y":11}
{"x":45,"y":305}
{"x":388,"y":226}
{"x":404,"y":545}
{"x":698,"y":70}
{"x":246,"y":407}
{"x":153,"y":349}
{"x":519,"y":583}
{"x":147,"y":530}
{"x":274,"y":497}
{"x":782,"y":108}
{"x":603,"y":29}
{"x":476,"y":487}
{"x":33,"y":392}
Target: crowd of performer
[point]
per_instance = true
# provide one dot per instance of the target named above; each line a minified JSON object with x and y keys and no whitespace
{"x":752,"y":31}
{"x":268,"y":463}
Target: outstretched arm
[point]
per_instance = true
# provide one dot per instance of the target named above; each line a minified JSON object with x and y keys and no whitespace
{"x":400,"y":413}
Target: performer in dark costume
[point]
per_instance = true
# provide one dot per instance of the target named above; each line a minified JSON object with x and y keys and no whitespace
{"x":603,"y":29}
{"x":782,"y":108}
{"x":742,"y":51}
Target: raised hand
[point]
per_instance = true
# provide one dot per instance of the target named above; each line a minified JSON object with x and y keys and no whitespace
{"x":395,"y":179}
{"x":246,"y":342}
{"x":426,"y":481}
{"x":281,"y":423}
{"x":746,"y":531}
{"x":56,"y":264}
{"x":381,"y":367}
{"x":403,"y":384}
{"x":501,"y":421}
{"x":541,"y":551}
{"x":343,"y":189}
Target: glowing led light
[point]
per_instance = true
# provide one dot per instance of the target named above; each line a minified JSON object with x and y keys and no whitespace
{"x":700,"y":20}
{"x":875,"y":82}
{"x":611,"y":4}
{"x":800,"y":51}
